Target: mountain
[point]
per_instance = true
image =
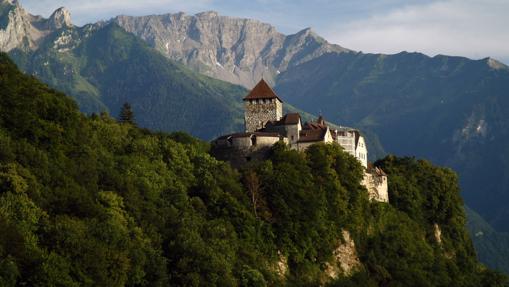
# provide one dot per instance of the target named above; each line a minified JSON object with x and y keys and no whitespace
{"x":491,"y":246}
{"x":102,"y":66}
{"x":21,"y":30}
{"x":451,"y":110}
{"x":88,"y":201}
{"x":239,"y":51}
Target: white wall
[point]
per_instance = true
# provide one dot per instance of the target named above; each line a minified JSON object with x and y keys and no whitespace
{"x":266,"y":141}
{"x":293,"y":132}
{"x":361,"y":152}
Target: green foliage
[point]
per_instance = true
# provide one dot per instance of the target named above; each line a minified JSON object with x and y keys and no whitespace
{"x":126,"y":114}
{"x":88,"y":201}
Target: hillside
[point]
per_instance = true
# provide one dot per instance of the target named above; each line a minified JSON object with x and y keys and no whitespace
{"x":451,"y":110}
{"x":491,"y":245}
{"x":105,"y":67}
{"x":86,"y":201}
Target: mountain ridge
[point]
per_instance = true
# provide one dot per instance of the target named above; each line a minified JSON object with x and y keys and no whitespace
{"x":236,"y":50}
{"x":22,"y":30}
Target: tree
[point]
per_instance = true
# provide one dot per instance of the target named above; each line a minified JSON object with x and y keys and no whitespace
{"x":253,"y":185}
{"x":127,"y":114}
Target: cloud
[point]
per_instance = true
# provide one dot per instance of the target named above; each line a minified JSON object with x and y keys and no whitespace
{"x":474,"y":29}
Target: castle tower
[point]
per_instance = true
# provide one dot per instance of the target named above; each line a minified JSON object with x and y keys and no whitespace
{"x":260,"y":106}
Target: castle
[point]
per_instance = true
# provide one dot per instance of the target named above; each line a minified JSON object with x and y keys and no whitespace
{"x":266,"y":125}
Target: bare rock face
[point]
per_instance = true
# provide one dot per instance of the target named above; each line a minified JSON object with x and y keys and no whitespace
{"x":240,"y":51}
{"x":14,"y":26}
{"x":60,"y":18}
{"x":346,"y":261}
{"x":21,"y":30}
{"x":282,"y":265}
{"x":438,"y":233}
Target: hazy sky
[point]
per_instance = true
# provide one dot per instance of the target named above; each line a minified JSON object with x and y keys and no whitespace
{"x":475,"y":29}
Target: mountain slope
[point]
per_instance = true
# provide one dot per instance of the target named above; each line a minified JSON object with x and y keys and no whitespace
{"x":452,"y":110}
{"x":111,"y":67}
{"x":102,"y":66}
{"x":87,"y":201}
{"x":492,"y":247}
{"x":240,"y":51}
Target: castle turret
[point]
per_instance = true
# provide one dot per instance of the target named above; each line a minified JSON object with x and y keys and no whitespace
{"x":260,"y":106}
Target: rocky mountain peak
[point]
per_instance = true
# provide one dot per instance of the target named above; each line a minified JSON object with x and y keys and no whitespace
{"x":306,"y":31}
{"x":21,"y":30}
{"x":14,"y":26}
{"x":60,"y":18}
{"x":207,"y":14}
{"x":496,"y":65}
{"x":236,"y":50}
{"x":10,"y":2}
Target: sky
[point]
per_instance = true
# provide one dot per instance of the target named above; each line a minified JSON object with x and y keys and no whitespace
{"x":474,"y":29}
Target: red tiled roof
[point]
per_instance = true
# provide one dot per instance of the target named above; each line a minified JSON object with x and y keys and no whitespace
{"x":288,"y":119}
{"x":320,"y":124}
{"x":291,"y":119}
{"x":312,"y":135}
{"x":262,"y":90}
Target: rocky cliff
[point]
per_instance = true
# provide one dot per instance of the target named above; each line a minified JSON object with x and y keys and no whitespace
{"x":21,"y":30}
{"x":239,"y":51}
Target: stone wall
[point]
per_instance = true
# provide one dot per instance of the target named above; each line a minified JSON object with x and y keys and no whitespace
{"x":239,"y":157}
{"x":242,"y":142}
{"x":259,"y":112}
{"x":376,"y":186}
{"x":302,"y":146}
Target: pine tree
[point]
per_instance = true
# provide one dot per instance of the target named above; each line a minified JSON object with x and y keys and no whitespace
{"x":127,"y":114}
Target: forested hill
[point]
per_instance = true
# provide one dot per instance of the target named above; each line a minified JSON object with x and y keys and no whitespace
{"x":88,"y":201}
